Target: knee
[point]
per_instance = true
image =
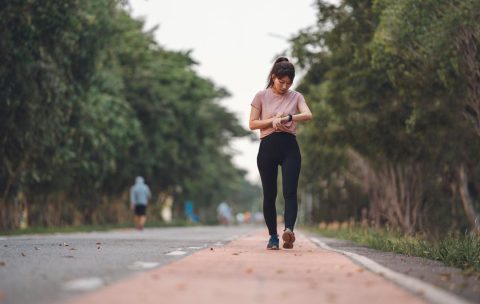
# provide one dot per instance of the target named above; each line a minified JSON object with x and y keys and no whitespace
{"x":269,"y":196}
{"x":290,"y":195}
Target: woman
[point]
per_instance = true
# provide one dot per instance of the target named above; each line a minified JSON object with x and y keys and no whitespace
{"x":276,"y":111}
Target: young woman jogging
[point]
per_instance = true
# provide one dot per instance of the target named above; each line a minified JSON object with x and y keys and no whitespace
{"x":276,"y":112}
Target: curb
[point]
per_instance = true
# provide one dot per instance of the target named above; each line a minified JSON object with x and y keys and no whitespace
{"x":418,"y":287}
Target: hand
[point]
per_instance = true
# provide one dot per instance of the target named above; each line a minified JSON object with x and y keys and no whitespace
{"x":282,"y":127}
{"x":277,"y":122}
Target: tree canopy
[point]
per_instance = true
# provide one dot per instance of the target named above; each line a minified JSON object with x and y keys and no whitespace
{"x":89,"y":100}
{"x":395,"y":101}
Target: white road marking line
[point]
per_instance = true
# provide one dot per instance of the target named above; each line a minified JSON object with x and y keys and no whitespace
{"x":195,"y":247}
{"x":176,"y":252}
{"x":83,"y":284}
{"x":143,"y":265}
{"x":421,"y":288}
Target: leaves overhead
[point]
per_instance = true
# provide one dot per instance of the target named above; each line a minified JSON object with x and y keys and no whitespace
{"x":396,"y":110}
{"x":89,"y":100}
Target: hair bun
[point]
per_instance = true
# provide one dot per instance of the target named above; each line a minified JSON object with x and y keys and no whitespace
{"x":281,"y":59}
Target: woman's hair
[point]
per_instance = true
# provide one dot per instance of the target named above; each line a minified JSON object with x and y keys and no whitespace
{"x":281,"y":68}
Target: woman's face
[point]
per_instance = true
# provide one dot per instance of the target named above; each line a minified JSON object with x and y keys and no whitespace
{"x":281,"y":85}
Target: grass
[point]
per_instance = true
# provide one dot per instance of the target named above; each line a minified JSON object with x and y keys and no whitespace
{"x":461,"y":251}
{"x":91,"y":228}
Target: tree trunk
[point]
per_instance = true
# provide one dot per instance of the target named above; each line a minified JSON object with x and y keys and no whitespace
{"x":5,"y":212}
{"x":471,"y":214}
{"x":396,"y":192}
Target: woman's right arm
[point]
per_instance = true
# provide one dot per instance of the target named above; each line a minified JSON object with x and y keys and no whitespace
{"x":256,"y":123}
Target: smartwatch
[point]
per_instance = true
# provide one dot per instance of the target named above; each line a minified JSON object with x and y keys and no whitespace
{"x":290,"y":117}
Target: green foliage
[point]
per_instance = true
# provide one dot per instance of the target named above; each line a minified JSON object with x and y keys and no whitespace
{"x":385,"y":80}
{"x":457,"y":251}
{"x":89,"y":101}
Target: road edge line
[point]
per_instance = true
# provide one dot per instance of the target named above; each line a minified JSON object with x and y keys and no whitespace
{"x":429,"y":292}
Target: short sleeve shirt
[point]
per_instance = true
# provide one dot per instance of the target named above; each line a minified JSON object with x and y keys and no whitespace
{"x":270,"y":103}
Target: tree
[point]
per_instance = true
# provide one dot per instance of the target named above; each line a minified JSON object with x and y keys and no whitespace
{"x":391,"y":122}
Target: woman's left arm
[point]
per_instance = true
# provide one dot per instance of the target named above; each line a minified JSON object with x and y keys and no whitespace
{"x":305,"y":113}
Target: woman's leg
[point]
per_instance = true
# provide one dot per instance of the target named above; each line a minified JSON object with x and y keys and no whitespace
{"x":290,"y":174}
{"x":268,"y":169}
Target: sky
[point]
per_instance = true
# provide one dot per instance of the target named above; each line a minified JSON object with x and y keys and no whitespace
{"x":235,"y":44}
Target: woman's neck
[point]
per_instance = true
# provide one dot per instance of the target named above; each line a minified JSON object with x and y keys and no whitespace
{"x":276,"y":92}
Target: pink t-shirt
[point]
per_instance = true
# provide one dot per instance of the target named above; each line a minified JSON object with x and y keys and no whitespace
{"x":270,"y":103}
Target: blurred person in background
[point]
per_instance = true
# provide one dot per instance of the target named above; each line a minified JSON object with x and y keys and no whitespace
{"x":224,"y":214}
{"x":139,"y":196}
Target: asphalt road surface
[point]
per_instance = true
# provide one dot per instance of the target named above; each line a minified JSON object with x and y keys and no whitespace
{"x":53,"y":268}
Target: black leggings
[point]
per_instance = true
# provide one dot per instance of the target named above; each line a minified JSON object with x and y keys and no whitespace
{"x":279,"y":148}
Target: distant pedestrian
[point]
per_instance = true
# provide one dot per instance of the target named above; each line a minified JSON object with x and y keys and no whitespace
{"x":224,"y":214}
{"x":276,"y":111}
{"x":139,"y":196}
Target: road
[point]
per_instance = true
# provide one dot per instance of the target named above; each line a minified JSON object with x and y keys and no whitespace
{"x":207,"y":265}
{"x":48,"y":268}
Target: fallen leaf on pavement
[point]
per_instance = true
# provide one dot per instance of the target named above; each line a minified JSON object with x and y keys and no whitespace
{"x":445,"y":276}
{"x":359,"y":269}
{"x":249,"y":270}
{"x":23,"y":254}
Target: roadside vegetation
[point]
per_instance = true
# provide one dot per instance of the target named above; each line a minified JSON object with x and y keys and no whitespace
{"x":461,"y":250}
{"x":88,"y":101}
{"x":394,"y":88}
{"x":93,"y":228}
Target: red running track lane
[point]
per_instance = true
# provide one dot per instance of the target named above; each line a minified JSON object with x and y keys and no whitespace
{"x":243,"y":271}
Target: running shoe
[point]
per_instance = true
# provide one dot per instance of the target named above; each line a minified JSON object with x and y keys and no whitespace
{"x":273,"y":242}
{"x":288,"y":238}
